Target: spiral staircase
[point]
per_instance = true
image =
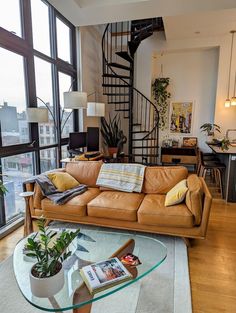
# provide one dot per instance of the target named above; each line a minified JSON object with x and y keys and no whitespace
{"x":140,"y":117}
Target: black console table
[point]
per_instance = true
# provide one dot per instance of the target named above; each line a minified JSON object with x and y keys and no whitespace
{"x":179,"y":155}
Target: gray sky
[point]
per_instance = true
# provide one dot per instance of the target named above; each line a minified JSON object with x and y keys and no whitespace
{"x":12,"y":86}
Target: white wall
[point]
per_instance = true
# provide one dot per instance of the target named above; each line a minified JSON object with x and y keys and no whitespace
{"x":198,"y":69}
{"x":189,"y":80}
{"x":90,"y":69}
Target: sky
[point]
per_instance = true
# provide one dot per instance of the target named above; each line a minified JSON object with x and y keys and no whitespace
{"x":12,"y":87}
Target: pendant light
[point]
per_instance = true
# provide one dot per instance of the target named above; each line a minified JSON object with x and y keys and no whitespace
{"x":227,"y":101}
{"x":233,"y":99}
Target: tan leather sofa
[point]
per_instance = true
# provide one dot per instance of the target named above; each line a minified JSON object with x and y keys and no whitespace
{"x":144,"y":211}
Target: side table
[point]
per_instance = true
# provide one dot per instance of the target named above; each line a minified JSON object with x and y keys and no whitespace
{"x":28,"y":224}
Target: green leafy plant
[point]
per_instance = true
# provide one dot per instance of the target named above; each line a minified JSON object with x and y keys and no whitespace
{"x":111,"y":131}
{"x":48,"y":251}
{"x":224,"y":144}
{"x":161,"y":96}
{"x":210,"y":129}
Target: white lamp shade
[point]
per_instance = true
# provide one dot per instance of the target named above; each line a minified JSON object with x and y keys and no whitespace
{"x":75,"y":100}
{"x":37,"y":115}
{"x":227,"y":103}
{"x":233,"y":101}
{"x":96,"y":109}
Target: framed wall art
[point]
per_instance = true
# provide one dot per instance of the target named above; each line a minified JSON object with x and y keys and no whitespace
{"x":181,"y":117}
{"x":189,"y":141}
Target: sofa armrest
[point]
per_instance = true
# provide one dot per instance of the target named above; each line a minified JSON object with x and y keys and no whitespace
{"x":207,"y":201}
{"x":35,"y":201}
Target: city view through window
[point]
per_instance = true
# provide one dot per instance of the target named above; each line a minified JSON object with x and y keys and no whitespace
{"x":18,"y":161}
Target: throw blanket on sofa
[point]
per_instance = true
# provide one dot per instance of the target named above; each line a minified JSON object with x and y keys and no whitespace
{"x":50,"y":191}
{"x":123,"y":177}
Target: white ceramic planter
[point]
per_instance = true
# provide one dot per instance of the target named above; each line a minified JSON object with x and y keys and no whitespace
{"x":47,"y":287}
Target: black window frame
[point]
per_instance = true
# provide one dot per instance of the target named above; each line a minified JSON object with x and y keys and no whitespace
{"x":24,"y":47}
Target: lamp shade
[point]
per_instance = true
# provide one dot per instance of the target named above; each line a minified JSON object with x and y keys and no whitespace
{"x":227,"y":103}
{"x":37,"y":115}
{"x":233,"y":101}
{"x":96,"y":109}
{"x":75,"y":100}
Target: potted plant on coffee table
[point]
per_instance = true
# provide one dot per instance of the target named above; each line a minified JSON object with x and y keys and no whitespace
{"x":112,"y":134}
{"x":50,"y":250}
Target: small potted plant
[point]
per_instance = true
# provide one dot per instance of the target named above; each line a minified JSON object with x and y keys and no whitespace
{"x":210,"y":129}
{"x":112,"y":134}
{"x":224,"y":144}
{"x":47,"y":276}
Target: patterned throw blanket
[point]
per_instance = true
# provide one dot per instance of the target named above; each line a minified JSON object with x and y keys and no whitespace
{"x":123,"y":177}
{"x":50,"y":191}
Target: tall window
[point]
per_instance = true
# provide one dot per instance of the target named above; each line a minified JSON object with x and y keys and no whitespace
{"x":63,"y":41}
{"x":12,"y":103}
{"x":32,"y":78}
{"x":10,"y":16}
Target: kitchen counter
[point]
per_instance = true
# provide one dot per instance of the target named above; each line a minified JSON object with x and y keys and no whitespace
{"x":228,"y":157}
{"x":216,"y":149}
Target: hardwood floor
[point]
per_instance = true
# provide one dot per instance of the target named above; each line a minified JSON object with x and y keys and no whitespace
{"x":212,"y":262}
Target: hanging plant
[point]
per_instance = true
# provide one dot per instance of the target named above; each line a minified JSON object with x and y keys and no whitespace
{"x":161,"y":97}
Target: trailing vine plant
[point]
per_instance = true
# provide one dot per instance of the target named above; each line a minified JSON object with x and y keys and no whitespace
{"x":161,"y":97}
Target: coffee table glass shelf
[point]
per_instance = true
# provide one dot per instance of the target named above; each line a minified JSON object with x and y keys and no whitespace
{"x":91,"y":246}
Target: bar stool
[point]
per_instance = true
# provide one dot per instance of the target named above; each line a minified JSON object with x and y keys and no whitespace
{"x":215,"y":167}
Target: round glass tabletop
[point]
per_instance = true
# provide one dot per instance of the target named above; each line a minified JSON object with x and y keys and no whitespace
{"x":90,"y":246}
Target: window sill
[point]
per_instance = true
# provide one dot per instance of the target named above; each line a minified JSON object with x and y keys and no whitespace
{"x":11,"y":226}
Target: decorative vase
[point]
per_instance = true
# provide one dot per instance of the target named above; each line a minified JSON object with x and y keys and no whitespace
{"x":112,"y":151}
{"x":48,"y":286}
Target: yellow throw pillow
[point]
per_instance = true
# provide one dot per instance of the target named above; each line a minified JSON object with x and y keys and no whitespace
{"x":63,"y":181}
{"x":177,"y":194}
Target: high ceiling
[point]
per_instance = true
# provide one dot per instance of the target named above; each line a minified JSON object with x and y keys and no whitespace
{"x":182,"y":18}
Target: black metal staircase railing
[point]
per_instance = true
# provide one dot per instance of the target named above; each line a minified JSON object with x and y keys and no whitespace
{"x":140,"y":115}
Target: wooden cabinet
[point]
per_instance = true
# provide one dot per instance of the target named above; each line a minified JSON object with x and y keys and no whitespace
{"x":179,"y":155}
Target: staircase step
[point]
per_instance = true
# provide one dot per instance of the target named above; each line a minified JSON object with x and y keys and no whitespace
{"x":116,"y":85}
{"x":145,"y":28}
{"x":116,"y":76}
{"x":140,"y":132}
{"x":142,"y":36}
{"x":126,"y":117}
{"x":143,"y":147}
{"x":141,"y":139}
{"x":137,"y":124}
{"x":118,"y":65}
{"x":133,"y":46}
{"x":116,"y":94}
{"x":117,"y":102}
{"x":125,"y":55}
{"x":122,"y":110}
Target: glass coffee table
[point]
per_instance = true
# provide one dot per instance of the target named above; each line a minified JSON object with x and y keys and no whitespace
{"x":91,"y":246}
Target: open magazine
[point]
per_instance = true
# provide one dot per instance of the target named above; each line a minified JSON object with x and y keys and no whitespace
{"x":102,"y":275}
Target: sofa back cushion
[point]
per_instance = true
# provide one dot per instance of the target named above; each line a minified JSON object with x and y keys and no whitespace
{"x":161,"y":179}
{"x":86,"y":172}
{"x":194,"y":197}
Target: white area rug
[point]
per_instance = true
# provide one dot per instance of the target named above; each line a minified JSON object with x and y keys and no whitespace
{"x":165,"y":290}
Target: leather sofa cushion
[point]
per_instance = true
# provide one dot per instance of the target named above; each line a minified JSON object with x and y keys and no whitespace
{"x":160,"y":179}
{"x":86,"y":172}
{"x":153,"y":212}
{"x":75,"y":206}
{"x":194,"y":197}
{"x":116,"y":205}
